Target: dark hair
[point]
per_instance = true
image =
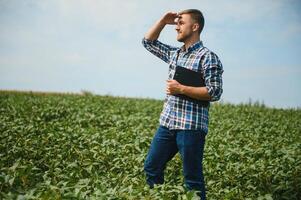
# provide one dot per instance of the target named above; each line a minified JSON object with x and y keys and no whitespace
{"x":197,"y":16}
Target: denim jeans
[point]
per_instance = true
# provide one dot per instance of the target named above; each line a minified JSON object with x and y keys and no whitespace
{"x":166,"y":143}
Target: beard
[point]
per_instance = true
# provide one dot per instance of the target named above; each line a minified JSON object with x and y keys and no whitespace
{"x":183,"y":37}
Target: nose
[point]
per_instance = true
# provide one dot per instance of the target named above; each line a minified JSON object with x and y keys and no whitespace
{"x":177,"y":27}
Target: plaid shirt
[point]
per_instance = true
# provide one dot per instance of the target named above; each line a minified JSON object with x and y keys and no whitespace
{"x":179,"y":113}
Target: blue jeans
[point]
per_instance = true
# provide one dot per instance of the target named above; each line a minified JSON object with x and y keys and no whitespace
{"x":166,"y":143}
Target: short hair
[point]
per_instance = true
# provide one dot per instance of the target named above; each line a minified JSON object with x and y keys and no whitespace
{"x":197,"y":16}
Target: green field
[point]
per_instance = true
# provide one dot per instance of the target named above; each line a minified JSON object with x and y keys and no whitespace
{"x":68,"y":146}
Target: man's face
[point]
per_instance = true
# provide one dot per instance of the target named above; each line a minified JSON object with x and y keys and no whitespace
{"x":184,"y":27}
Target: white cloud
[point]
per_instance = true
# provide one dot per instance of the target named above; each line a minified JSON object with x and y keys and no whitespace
{"x":242,"y":11}
{"x":107,"y":14}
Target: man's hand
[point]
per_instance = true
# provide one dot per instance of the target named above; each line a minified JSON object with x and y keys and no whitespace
{"x":173,"y":87}
{"x":170,"y":18}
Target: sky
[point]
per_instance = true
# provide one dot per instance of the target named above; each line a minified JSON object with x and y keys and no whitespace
{"x":90,"y":45}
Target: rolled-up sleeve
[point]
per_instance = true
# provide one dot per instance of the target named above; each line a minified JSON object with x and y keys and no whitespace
{"x":159,"y":49}
{"x":213,"y":70}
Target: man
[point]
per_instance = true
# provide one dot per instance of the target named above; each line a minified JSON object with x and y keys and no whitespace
{"x":183,"y":121}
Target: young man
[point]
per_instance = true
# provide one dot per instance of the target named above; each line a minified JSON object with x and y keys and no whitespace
{"x":183,"y":121}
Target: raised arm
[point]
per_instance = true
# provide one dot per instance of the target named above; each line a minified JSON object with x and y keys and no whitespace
{"x":155,"y":30}
{"x":151,"y":42}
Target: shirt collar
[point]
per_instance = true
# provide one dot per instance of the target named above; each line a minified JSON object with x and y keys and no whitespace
{"x":193,"y":47}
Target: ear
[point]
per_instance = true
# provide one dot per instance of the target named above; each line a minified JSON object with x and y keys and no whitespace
{"x":195,"y":27}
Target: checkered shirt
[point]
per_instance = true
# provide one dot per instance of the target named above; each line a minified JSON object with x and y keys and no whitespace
{"x":179,"y":113}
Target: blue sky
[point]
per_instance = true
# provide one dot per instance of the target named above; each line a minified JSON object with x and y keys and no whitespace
{"x":69,"y":46}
